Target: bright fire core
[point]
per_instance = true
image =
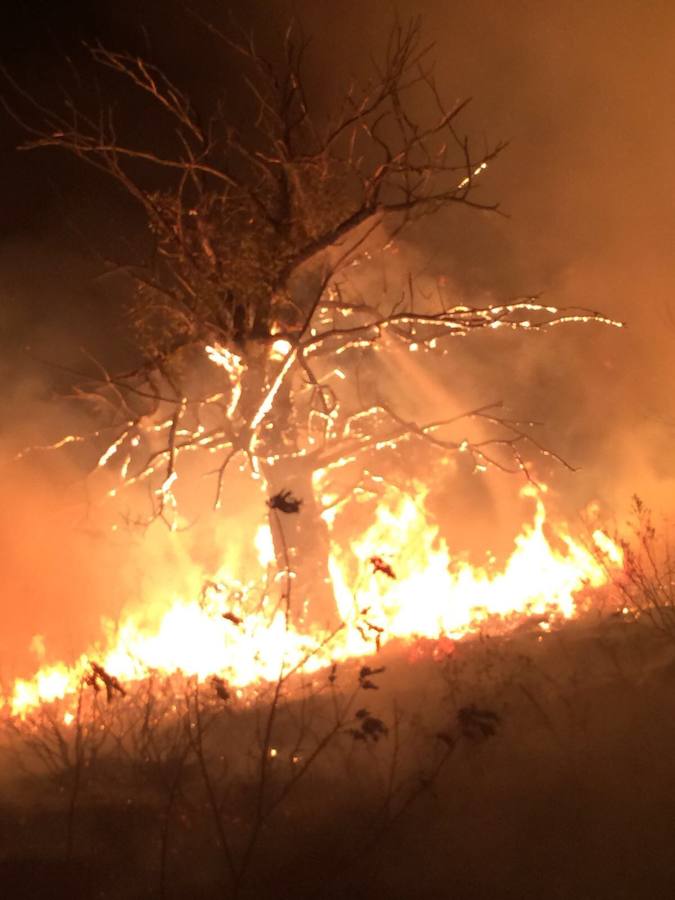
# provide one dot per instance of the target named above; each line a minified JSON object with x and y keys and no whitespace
{"x":397,"y":581}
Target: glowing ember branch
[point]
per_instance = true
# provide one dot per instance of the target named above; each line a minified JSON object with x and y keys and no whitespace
{"x":165,"y":487}
{"x":224,"y":358}
{"x":424,"y":330}
{"x":68,"y":439}
{"x":113,"y":448}
{"x":476,"y":172}
{"x":235,"y":368}
{"x":266,"y":405}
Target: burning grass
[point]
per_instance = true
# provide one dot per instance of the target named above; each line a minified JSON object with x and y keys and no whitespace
{"x":397,"y":582}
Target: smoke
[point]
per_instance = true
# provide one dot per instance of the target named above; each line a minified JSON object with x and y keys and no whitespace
{"x":69,"y":560}
{"x":583,"y":92}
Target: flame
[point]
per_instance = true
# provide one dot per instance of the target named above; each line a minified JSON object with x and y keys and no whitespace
{"x":264,"y":545}
{"x":397,"y":581}
{"x":447,"y":597}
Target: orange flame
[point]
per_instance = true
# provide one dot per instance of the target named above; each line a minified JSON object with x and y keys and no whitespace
{"x":433,"y":596}
{"x":396,"y":582}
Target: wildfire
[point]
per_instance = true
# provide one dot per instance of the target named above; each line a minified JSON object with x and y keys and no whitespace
{"x":451,"y":597}
{"x":397,"y":581}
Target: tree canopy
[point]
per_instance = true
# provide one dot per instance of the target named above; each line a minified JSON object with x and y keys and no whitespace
{"x":254,"y":231}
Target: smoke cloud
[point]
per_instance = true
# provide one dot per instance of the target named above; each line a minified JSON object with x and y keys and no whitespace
{"x":581,"y":92}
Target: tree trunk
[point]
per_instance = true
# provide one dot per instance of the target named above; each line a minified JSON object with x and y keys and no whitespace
{"x":301,"y":543}
{"x":300,"y":538}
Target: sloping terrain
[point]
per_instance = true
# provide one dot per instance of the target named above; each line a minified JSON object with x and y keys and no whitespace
{"x":530,"y":765}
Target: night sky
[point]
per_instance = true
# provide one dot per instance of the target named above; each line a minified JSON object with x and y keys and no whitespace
{"x":583,"y":92}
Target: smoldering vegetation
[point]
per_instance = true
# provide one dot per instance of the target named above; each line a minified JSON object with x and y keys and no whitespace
{"x":508,"y":766}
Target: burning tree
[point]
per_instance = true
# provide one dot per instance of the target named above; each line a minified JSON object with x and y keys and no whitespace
{"x":255,"y":234}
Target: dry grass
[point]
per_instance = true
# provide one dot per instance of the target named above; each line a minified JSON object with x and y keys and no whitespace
{"x":522,"y":766}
